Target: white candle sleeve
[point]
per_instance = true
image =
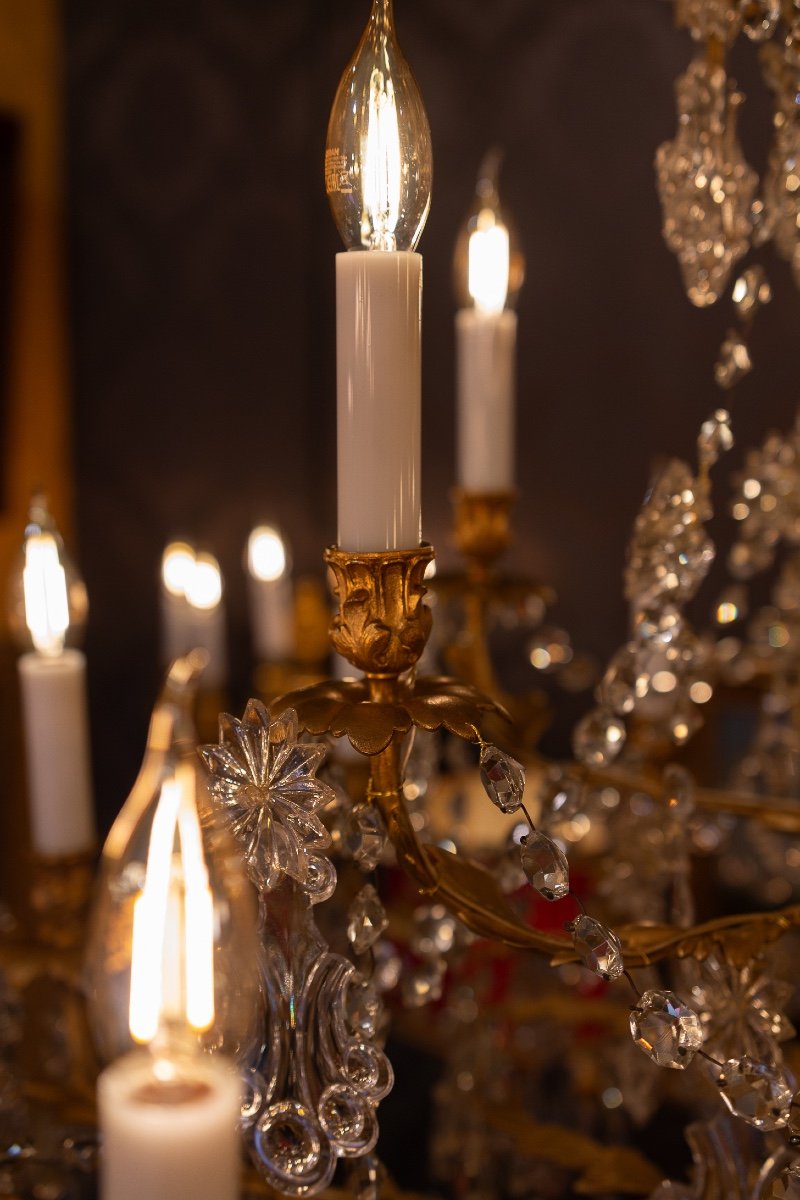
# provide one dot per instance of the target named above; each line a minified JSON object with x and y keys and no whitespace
{"x":169,"y":1144}
{"x":272,"y":615}
{"x":55,"y":719}
{"x":486,"y":354}
{"x":378,"y":324}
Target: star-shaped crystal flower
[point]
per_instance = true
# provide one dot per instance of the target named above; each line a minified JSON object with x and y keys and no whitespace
{"x":265,"y":783}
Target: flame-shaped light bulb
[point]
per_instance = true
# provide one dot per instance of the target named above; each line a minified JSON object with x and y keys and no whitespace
{"x":173,"y":935}
{"x":378,"y":160}
{"x":47,"y":606}
{"x":489,"y":265}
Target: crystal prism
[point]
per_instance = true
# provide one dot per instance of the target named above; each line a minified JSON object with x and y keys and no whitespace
{"x":545,"y":865}
{"x":366,"y":919}
{"x":666,"y":1029}
{"x":598,"y":737}
{"x":503,"y":779}
{"x":366,"y":836}
{"x":787,"y":1185}
{"x":734,"y":361}
{"x":597,"y":947}
{"x":757,"y":1093}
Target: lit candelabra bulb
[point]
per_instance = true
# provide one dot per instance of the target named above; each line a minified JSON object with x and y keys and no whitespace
{"x":192,"y":610}
{"x":489,"y":264}
{"x":47,"y":606}
{"x":266,"y":554}
{"x":378,"y":161}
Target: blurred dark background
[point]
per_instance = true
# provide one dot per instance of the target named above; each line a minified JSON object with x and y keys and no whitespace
{"x":201,"y":286}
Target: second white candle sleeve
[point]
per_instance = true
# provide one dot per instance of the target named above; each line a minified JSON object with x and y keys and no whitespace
{"x":378,"y":325}
{"x":168,"y":1151}
{"x":56,"y":724}
{"x":486,"y":359}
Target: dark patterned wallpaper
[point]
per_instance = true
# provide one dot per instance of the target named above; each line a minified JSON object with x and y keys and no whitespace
{"x":201,"y":292}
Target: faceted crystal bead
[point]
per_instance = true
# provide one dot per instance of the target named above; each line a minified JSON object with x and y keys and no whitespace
{"x":751,"y":290}
{"x":678,"y":790}
{"x":424,"y":983}
{"x":366,"y":836}
{"x":598,"y":737}
{"x":787,"y":1185}
{"x":734,"y":361}
{"x":366,"y":919}
{"x":434,"y":931}
{"x":662,"y":624}
{"x":620,"y":686}
{"x":503,"y":778}
{"x":597,"y":947}
{"x":755,"y":1092}
{"x":666,"y":1029}
{"x":545,"y":865}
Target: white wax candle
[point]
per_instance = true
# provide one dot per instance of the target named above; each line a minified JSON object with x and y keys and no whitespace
{"x":486,"y":349}
{"x":54,"y":711}
{"x":378,"y":324}
{"x":169,"y":1141}
{"x":272,"y":616}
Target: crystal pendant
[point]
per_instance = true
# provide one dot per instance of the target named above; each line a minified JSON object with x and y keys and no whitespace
{"x":787,"y":1185}
{"x":666,"y":1029}
{"x":734,"y":361}
{"x":715,"y":436}
{"x":424,"y":983}
{"x":598,"y":738}
{"x":755,"y":1092}
{"x":751,"y":291}
{"x":366,"y":919}
{"x":597,"y":947}
{"x":366,"y":1177}
{"x":503,"y":779}
{"x":794,"y":1121}
{"x":705,"y":184}
{"x":545,"y":865}
{"x":363,"y":1007}
{"x":366,"y":836}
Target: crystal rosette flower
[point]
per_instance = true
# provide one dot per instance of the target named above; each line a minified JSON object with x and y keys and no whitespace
{"x":265,"y":783}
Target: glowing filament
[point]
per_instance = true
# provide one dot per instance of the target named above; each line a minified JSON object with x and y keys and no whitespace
{"x":172,"y":956}
{"x":381,"y":166}
{"x":488,"y":268}
{"x":150,"y":920}
{"x":266,"y":555}
{"x":45,"y":587}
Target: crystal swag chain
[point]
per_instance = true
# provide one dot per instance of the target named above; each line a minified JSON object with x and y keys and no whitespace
{"x":662,"y":1025}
